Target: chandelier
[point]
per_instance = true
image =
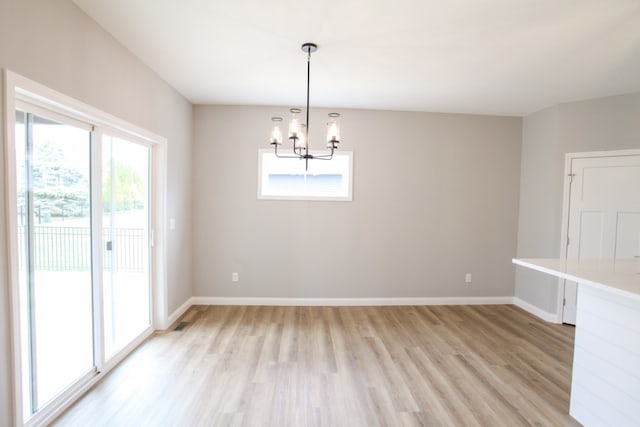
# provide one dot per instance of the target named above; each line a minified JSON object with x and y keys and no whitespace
{"x":299,"y":132}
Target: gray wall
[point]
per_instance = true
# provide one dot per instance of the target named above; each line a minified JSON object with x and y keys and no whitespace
{"x":435,"y":196}
{"x":603,"y":124}
{"x":54,"y":43}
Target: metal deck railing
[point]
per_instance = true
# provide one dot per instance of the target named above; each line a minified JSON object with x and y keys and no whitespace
{"x":69,"y":248}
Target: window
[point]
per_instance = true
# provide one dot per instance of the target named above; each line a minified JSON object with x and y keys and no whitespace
{"x":287,"y":179}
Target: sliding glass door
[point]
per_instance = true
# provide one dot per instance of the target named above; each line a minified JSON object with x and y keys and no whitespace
{"x":83,"y":251}
{"x":54,"y":218}
{"x":125,"y":196}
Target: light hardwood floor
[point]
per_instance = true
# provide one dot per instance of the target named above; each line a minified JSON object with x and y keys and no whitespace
{"x":341,"y":366}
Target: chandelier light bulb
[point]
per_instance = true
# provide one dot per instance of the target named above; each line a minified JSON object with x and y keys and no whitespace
{"x":333,"y":131}
{"x":301,"y":142}
{"x":276,"y":133}
{"x":294,"y":125}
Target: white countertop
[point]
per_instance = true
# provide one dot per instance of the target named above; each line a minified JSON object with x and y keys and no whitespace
{"x":621,"y":277}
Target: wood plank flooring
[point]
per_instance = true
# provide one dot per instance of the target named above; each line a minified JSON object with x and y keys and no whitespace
{"x":341,"y":366}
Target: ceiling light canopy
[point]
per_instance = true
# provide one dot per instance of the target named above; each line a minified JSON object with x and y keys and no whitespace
{"x":299,"y":132}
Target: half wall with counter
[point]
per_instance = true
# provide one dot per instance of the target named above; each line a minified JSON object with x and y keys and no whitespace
{"x":605,"y":384}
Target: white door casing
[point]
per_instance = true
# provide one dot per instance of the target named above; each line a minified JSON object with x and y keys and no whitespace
{"x":603,"y":215}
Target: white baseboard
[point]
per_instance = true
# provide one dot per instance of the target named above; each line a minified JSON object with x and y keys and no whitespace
{"x":350,"y":301}
{"x":336,"y":302}
{"x":538,"y":312}
{"x":179,"y":312}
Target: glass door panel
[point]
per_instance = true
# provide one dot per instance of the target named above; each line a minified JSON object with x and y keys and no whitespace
{"x":54,"y":230}
{"x":126,"y":291}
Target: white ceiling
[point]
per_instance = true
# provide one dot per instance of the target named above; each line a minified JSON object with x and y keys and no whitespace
{"x":509,"y":57}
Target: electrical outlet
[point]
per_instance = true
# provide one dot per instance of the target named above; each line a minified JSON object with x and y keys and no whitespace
{"x":234,"y":277}
{"x":467,"y":278}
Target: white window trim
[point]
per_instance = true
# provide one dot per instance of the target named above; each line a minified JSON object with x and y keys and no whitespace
{"x":19,"y":90}
{"x":347,"y":198}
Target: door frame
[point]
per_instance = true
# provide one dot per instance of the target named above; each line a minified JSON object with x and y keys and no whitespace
{"x":17,"y":87}
{"x":566,"y":200}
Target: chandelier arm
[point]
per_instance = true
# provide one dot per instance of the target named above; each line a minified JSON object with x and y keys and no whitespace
{"x":324,"y":157}
{"x":298,"y":151}
{"x":287,"y":157}
{"x":284,"y":156}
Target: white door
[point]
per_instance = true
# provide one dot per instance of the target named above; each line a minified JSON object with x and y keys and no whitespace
{"x":604,"y":214}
